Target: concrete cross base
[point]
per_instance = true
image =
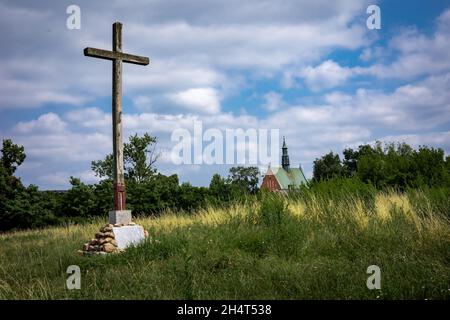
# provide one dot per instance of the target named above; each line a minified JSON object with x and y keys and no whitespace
{"x":120,"y":217}
{"x":128,"y":235}
{"x":114,"y":239}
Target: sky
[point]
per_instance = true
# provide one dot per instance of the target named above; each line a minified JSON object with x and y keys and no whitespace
{"x":312,"y":70}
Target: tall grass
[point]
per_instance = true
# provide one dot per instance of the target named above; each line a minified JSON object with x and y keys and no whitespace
{"x":314,"y":246}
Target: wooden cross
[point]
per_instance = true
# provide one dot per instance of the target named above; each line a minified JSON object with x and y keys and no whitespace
{"x":117,"y":57}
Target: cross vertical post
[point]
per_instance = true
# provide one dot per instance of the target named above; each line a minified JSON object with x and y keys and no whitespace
{"x":119,"y":179}
{"x":119,"y":215}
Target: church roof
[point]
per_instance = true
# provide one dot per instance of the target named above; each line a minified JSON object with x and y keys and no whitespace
{"x":292,"y":177}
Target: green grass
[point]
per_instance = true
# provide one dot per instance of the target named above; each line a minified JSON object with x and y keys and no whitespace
{"x":270,"y":249}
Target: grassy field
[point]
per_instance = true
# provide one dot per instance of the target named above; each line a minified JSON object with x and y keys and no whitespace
{"x":268,"y":249}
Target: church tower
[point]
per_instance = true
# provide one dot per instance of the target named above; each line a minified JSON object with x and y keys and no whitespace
{"x":285,"y":178}
{"x":285,"y":156}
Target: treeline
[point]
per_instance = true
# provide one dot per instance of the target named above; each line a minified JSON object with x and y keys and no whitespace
{"x":396,"y":166}
{"x":423,"y":175}
{"x":363,"y":171}
{"x":148,"y":192}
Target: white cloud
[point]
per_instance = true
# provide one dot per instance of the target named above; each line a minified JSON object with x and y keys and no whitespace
{"x":326,"y":75}
{"x":199,"y":100}
{"x":273,"y":101}
{"x":420,"y":105}
{"x":90,"y":118}
{"x":370,"y":54}
{"x":49,"y":122}
{"x":441,"y":139}
{"x":437,"y":139}
{"x":200,"y":54}
{"x":87,"y":176}
{"x":366,"y":54}
{"x":61,"y":178}
{"x":249,"y":46}
{"x":418,"y":54}
{"x":195,"y":46}
{"x":143,"y":102}
{"x":48,"y":139}
{"x":311,"y":130}
{"x":349,"y":119}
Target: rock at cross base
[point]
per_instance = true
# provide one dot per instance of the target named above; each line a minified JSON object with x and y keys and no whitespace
{"x":116,"y":240}
{"x":108,"y":248}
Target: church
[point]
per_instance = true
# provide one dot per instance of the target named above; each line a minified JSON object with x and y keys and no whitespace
{"x":285,"y":178}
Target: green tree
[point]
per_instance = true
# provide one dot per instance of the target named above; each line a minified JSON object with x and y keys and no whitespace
{"x":220,"y":189}
{"x":431,"y":167}
{"x":447,"y":171}
{"x":398,"y":165}
{"x":139,"y":158}
{"x":104,"y":168}
{"x":372,"y":166}
{"x":29,"y":208}
{"x":351,"y":157}
{"x":349,"y":164}
{"x":12,"y":156}
{"x":152,"y":195}
{"x":10,"y":187}
{"x":218,"y":185}
{"x":21,"y":207}
{"x":327,"y":167}
{"x":190,"y":198}
{"x":245,"y":178}
{"x":79,"y":202}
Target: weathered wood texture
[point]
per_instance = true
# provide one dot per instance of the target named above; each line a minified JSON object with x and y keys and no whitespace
{"x":110,"y":55}
{"x":117,"y":57}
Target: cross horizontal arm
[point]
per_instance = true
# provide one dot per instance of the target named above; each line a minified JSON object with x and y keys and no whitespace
{"x":114,"y":55}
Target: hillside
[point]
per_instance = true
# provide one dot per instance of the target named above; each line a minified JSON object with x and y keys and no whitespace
{"x":267,"y":249}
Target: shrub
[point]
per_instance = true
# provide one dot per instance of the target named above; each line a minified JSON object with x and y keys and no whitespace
{"x":338,"y":191}
{"x":272,"y":210}
{"x":434,"y":200}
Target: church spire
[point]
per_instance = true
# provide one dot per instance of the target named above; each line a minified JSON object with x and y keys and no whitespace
{"x":285,"y":156}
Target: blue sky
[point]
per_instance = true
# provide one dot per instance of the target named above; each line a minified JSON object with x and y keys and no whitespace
{"x":312,"y":70}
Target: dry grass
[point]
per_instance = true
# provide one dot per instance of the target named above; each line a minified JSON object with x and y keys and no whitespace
{"x":316,"y":249}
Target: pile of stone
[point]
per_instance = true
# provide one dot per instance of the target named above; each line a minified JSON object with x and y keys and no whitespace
{"x":104,"y":241}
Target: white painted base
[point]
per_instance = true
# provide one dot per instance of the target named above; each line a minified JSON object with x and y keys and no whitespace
{"x":128,"y":235}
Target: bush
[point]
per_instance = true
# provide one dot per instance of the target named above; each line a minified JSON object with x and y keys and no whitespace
{"x":428,"y":201}
{"x":29,"y":209}
{"x":338,"y":191}
{"x":153,"y":195}
{"x":79,"y":201}
{"x":272,"y":210}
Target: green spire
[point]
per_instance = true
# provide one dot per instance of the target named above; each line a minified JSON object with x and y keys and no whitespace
{"x":285,"y":156}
